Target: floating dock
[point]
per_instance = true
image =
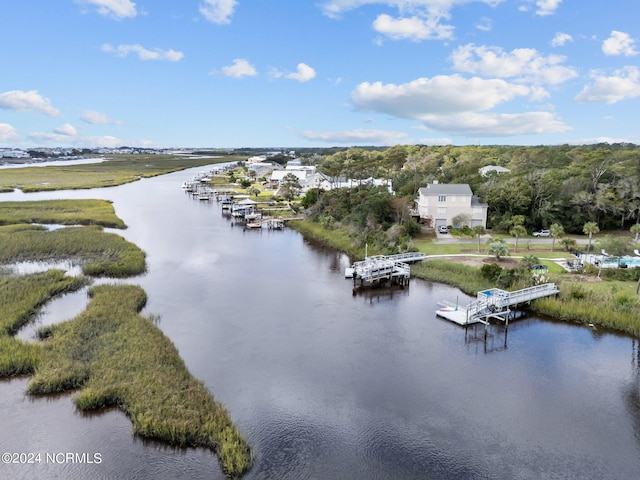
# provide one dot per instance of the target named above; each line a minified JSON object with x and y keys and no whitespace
{"x":493,"y":303}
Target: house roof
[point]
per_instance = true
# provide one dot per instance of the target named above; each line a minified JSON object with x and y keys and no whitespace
{"x":446,"y":189}
{"x":476,"y":201}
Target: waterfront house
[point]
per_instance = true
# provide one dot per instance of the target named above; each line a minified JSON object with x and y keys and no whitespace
{"x":439,"y":204}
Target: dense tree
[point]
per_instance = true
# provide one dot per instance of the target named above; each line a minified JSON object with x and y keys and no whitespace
{"x":290,"y":187}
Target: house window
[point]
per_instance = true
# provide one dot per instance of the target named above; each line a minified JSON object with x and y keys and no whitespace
{"x":442,"y":210}
{"x":442,"y":198}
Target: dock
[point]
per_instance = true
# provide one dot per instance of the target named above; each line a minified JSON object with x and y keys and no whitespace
{"x":380,"y":270}
{"x":493,"y":303}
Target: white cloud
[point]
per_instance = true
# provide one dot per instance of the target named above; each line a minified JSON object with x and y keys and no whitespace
{"x":143,"y":54}
{"x":97,"y":118}
{"x":240,"y":68}
{"x":524,"y":64}
{"x":335,"y":8}
{"x":218,"y":11}
{"x":412,"y":28}
{"x":117,"y":9}
{"x":619,"y":43}
{"x":62,"y":139}
{"x":440,"y":95}
{"x":543,"y":7}
{"x":496,"y":125}
{"x":358,"y":136}
{"x":596,"y":140}
{"x":547,"y":7}
{"x":623,"y":84}
{"x":66,"y":129}
{"x":560,"y":39}
{"x":31,"y":101}
{"x":456,"y":105}
{"x":304,"y":73}
{"x":418,"y":20}
{"x":485,"y":24}
{"x":8,"y":133}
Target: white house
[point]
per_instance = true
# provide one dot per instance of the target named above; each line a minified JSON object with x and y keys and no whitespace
{"x":438,"y":204}
{"x":484,"y":171}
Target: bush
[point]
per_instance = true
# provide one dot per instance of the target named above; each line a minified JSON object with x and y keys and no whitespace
{"x":491,"y":271}
{"x":411,"y":228}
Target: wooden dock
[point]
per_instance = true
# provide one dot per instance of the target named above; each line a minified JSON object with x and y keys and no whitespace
{"x":493,"y":303}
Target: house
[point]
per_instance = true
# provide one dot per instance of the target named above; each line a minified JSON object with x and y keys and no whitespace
{"x":438,"y":204}
{"x":264,"y":169}
{"x":487,"y":169}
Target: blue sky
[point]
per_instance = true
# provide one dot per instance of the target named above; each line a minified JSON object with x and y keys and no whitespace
{"x":285,"y":73}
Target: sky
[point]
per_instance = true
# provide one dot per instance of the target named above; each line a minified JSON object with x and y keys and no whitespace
{"x":318,"y":73}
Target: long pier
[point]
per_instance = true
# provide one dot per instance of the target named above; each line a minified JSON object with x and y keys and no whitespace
{"x":493,"y":303}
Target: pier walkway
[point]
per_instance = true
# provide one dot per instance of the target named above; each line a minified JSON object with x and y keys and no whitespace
{"x":381,"y":269}
{"x":493,"y":303}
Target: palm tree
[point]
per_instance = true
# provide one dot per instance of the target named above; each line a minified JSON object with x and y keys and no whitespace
{"x":517,"y":231}
{"x":556,"y":230}
{"x":479,"y":230}
{"x":590,"y":228}
{"x":497,"y":248}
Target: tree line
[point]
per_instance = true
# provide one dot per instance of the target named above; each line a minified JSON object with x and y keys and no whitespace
{"x":564,"y":185}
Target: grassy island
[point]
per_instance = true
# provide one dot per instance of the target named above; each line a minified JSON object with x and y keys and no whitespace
{"x":110,"y":353}
{"x":63,"y":212}
{"x":115,"y":170}
{"x":118,"y":358}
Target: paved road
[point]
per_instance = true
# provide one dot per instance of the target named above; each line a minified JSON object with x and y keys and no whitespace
{"x":446,"y":238}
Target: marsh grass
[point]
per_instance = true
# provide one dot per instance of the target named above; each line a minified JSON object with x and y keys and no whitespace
{"x":120,"y":359}
{"x":18,"y":357}
{"x":22,"y":296}
{"x":612,"y":305}
{"x":119,"y":169}
{"x":64,"y":212}
{"x":466,"y":278}
{"x":338,"y":239}
{"x":20,"y":299}
{"x":102,"y":253}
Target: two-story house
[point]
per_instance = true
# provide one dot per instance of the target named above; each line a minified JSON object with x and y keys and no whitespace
{"x":439,"y":204}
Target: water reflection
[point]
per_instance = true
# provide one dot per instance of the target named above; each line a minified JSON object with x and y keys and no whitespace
{"x":328,"y":385}
{"x":69,"y":267}
{"x":50,"y":163}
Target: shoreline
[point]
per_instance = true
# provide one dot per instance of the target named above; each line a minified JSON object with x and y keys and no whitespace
{"x":575,"y":304}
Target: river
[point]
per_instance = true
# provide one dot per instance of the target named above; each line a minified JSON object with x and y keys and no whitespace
{"x":329,"y":385}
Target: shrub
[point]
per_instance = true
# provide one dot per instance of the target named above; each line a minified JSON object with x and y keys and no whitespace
{"x":491,"y":271}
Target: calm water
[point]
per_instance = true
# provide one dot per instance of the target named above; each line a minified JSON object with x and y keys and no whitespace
{"x":327,"y":385}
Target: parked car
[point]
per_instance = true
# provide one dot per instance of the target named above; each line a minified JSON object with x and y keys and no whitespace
{"x":443,"y":229}
{"x":542,"y":233}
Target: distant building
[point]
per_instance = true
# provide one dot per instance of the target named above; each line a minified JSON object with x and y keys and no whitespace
{"x":484,"y":171}
{"x":438,"y":204}
{"x":256,"y":159}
